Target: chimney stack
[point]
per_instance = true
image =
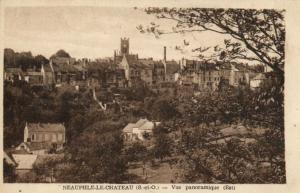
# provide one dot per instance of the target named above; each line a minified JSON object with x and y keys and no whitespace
{"x":165,"y":53}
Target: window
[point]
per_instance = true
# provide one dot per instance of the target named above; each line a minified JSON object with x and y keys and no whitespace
{"x":46,"y":137}
{"x":32,"y":137}
{"x":54,"y":137}
{"x":60,"y":137}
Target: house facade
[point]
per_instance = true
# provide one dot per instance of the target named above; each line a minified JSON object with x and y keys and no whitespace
{"x":44,"y":132}
{"x":40,"y":138}
{"x":171,"y":68}
{"x":139,"y":131}
{"x":206,"y":76}
{"x":13,"y":74}
{"x":34,"y":77}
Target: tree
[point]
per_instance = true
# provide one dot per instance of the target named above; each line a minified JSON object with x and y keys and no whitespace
{"x":163,"y":146}
{"x":9,"y":172}
{"x":101,"y":161}
{"x":61,"y":53}
{"x":40,"y":59}
{"x":259,"y":32}
{"x":17,"y":98}
{"x":76,"y":125}
{"x":9,"y":57}
{"x":24,"y":60}
{"x":162,"y":109}
{"x":136,"y":152}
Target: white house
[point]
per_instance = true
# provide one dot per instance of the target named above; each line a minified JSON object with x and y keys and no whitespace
{"x":41,"y":138}
{"x":138,"y":130}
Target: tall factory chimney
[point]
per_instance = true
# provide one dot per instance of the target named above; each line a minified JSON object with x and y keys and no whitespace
{"x":165,"y":53}
{"x":165,"y":61}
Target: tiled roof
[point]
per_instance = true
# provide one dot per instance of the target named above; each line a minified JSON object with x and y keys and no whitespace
{"x":148,"y":125}
{"x":33,"y":73}
{"x":92,"y":66}
{"x":129,"y":127}
{"x":142,"y":124}
{"x":42,"y":159}
{"x":172,"y":67}
{"x":38,"y":145}
{"x":20,"y":151}
{"x":13,"y":70}
{"x":159,"y":64}
{"x":233,"y":66}
{"x":64,"y":68}
{"x":63,"y":60}
{"x":80,"y":67}
{"x":134,"y":62}
{"x":46,"y":127}
{"x":146,"y":63}
{"x":24,"y":161}
{"x":131,"y":58}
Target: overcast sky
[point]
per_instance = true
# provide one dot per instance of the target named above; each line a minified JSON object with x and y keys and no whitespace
{"x":93,"y":32}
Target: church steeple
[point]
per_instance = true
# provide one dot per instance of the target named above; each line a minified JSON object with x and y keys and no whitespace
{"x":124,"y":46}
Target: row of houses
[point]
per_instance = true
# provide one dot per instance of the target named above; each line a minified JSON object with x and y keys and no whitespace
{"x":207,"y":75}
{"x":127,"y":70}
{"x":45,"y":141}
{"x":123,"y":70}
{"x":57,"y":71}
{"x":202,"y":75}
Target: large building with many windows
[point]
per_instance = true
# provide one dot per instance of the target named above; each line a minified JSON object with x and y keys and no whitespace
{"x":207,"y":76}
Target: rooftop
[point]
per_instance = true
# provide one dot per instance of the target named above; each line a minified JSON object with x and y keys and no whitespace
{"x":24,"y":161}
{"x":142,"y":124}
{"x":13,"y":70}
{"x":58,"y":127}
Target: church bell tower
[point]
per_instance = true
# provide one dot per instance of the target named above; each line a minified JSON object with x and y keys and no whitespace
{"x":124,"y":46}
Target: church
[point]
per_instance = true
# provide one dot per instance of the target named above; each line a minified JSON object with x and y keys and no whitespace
{"x":140,"y":70}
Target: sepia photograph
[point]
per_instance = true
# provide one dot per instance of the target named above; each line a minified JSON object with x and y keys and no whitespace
{"x":143,"y":95}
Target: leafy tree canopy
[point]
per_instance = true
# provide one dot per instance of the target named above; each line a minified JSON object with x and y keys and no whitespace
{"x":256,"y":35}
{"x":61,"y":53}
